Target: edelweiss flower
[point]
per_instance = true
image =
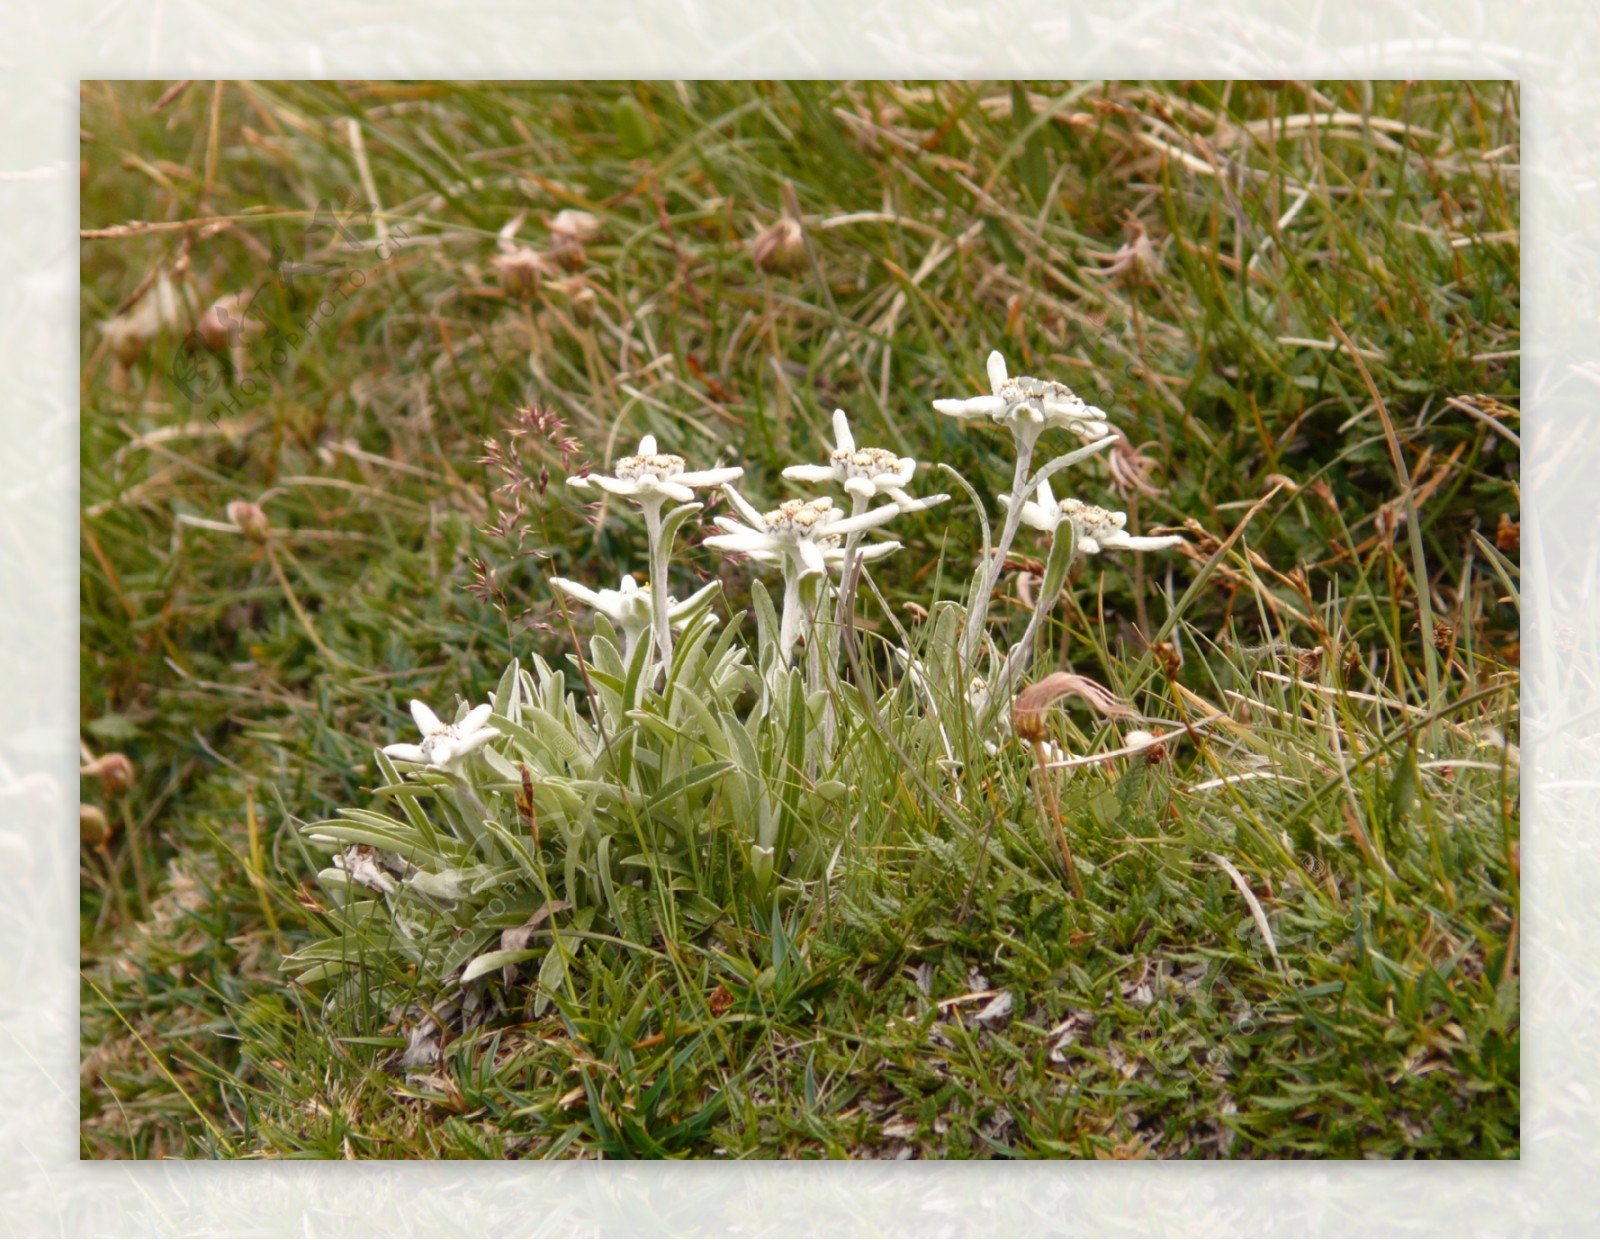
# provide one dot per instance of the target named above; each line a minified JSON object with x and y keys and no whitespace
{"x":1042,"y":402}
{"x":804,"y":531}
{"x":832,"y":548}
{"x":1094,"y":529}
{"x":445,"y":746}
{"x":865,"y":473}
{"x":651,"y":477}
{"x":629,"y":607}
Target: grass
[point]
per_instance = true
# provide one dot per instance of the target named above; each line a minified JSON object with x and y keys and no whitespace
{"x":1318,"y":344}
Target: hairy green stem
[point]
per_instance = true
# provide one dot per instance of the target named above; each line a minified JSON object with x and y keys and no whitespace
{"x":1026,"y":436}
{"x":659,"y":602}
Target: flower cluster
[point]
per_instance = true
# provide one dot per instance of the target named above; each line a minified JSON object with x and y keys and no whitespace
{"x":1094,"y":529}
{"x":540,"y":805}
{"x":809,"y":539}
{"x":445,"y":746}
{"x":866,"y":473}
{"x":650,"y":477}
{"x":809,"y":533}
{"x":630,"y":608}
{"x":1024,"y":401}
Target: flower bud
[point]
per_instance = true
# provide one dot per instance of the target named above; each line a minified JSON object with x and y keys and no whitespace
{"x":520,"y":270}
{"x":579,"y":226}
{"x":225,"y":325}
{"x":250,"y":519}
{"x":94,"y":828}
{"x":568,"y":252}
{"x":780,"y":248}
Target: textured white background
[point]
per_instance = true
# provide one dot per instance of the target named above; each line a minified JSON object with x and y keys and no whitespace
{"x":46,"y":48}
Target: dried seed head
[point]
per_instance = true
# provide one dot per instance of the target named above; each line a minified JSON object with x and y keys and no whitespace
{"x":1028,"y":711}
{"x":113,"y":770}
{"x":127,"y":337}
{"x":579,"y":293}
{"x":579,"y":226}
{"x":1508,"y":534}
{"x":520,"y":269}
{"x":568,"y":251}
{"x":250,"y":519}
{"x":1167,"y":656}
{"x":780,"y":248}
{"x":226,"y":324}
{"x":1154,"y":751}
{"x":1444,"y":636}
{"x":1130,"y":468}
{"x":94,"y":828}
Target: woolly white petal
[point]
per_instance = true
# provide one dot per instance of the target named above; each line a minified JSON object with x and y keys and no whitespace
{"x":810,"y":473}
{"x":843,"y":439}
{"x":427,"y":722}
{"x":1040,"y":517}
{"x":580,"y":592}
{"x":709,"y":477}
{"x":865,"y":520}
{"x":1132,"y":543}
{"x":476,"y":740}
{"x":477,"y":717}
{"x":996,"y":366}
{"x":625,"y":487}
{"x":406,"y":753}
{"x":747,"y":510}
{"x":974,"y":407}
{"x":908,"y":503}
{"x":866,"y":488}
{"x":674,"y":489}
{"x":647,"y":446}
{"x":876,"y":551}
{"x":745,"y":543}
{"x":810,"y":557}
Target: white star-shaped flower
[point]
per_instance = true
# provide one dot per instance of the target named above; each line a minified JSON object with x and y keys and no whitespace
{"x":865,"y":473}
{"x":805,"y":531}
{"x":650,"y":477}
{"x":1042,"y":402}
{"x":1094,"y":529}
{"x":629,"y":607}
{"x":445,"y":746}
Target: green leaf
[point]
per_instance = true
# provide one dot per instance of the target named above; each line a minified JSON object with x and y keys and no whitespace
{"x":1031,"y":163}
{"x":767,"y":626}
{"x":489,"y":962}
{"x":113,"y":727}
{"x":507,"y":697}
{"x":635,"y":135}
{"x":673,"y":522}
{"x":688,"y":782}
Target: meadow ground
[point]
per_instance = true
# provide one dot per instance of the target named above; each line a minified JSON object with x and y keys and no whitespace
{"x":1298,"y":932}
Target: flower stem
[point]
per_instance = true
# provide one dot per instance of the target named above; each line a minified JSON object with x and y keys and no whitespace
{"x":846,"y":609}
{"x":1049,"y":807}
{"x":1026,"y":436}
{"x":660,"y":621}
